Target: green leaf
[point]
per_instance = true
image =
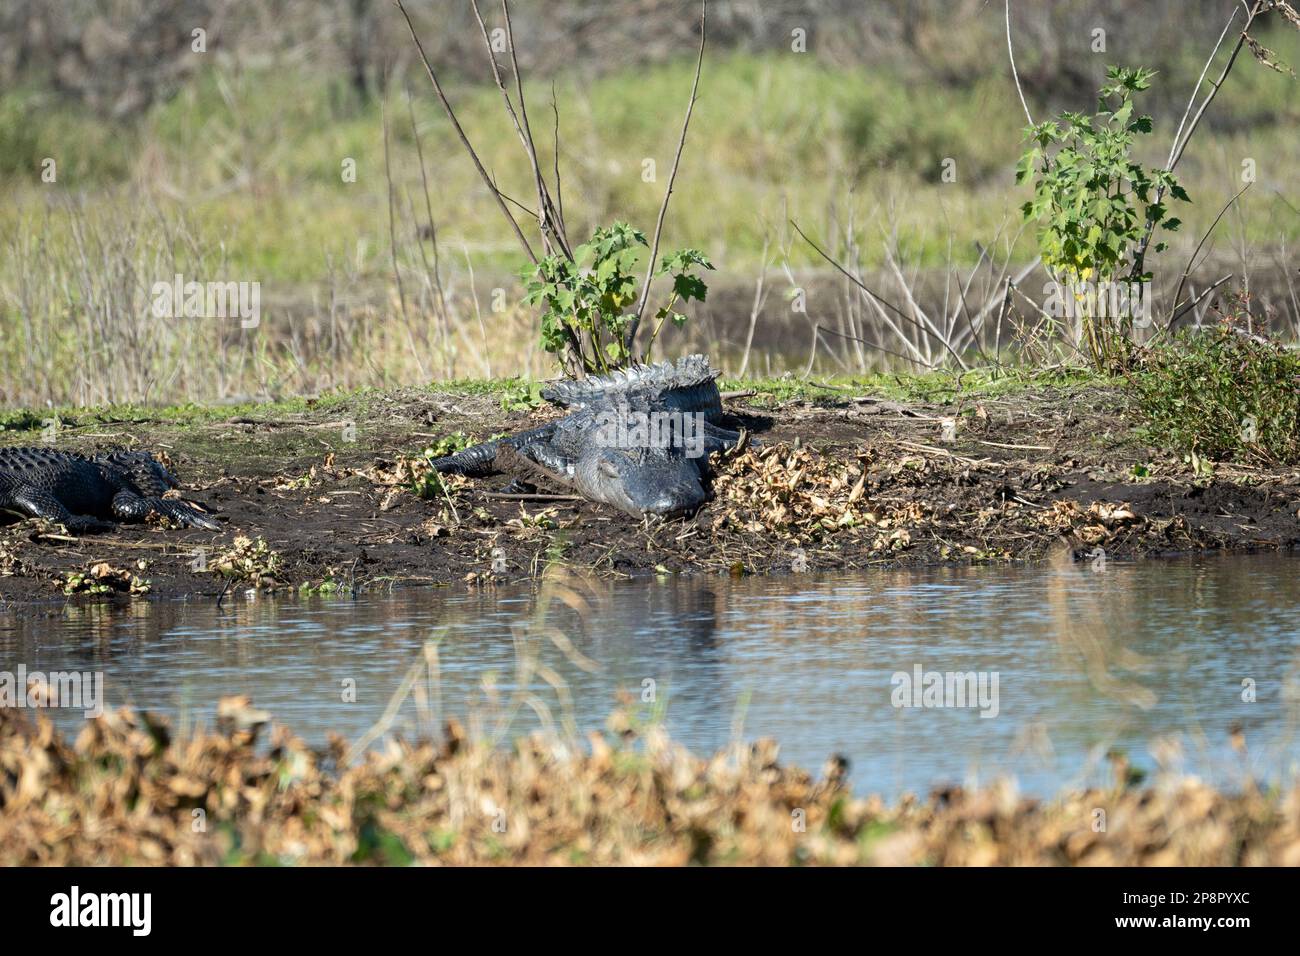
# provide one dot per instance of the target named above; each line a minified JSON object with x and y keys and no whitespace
{"x":689,"y":287}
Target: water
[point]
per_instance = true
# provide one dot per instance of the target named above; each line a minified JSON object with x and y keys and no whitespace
{"x":1146,"y":658}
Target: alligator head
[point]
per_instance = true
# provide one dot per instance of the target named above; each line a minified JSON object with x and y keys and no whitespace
{"x":659,"y":481}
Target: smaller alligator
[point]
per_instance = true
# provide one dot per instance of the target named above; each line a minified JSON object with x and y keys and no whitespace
{"x":81,"y":492}
{"x":638,"y":439}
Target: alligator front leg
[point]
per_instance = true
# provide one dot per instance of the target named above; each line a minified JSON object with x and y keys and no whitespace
{"x":38,"y":503}
{"x":719,"y":439}
{"x":128,"y":506}
{"x":479,"y":460}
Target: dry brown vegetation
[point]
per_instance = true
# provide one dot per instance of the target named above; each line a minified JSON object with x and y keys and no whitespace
{"x":128,"y":792}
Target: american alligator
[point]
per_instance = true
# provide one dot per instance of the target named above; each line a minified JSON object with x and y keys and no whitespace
{"x":80,"y":492}
{"x":638,"y":439}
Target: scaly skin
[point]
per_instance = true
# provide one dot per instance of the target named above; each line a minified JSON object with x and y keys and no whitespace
{"x":638,"y":479}
{"x":90,"y":493}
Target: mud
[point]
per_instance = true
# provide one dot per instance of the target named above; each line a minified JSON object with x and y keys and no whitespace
{"x":842,"y":482}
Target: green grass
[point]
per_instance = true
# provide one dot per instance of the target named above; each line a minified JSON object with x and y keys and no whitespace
{"x":244,"y":167}
{"x":256,"y":158}
{"x":938,"y":386}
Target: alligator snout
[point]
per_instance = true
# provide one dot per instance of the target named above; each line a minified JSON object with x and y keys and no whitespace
{"x":675,"y":501}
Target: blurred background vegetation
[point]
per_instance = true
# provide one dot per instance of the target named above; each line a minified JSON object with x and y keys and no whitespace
{"x":227,"y":164}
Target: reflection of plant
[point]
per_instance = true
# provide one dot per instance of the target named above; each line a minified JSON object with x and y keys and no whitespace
{"x":589,"y":300}
{"x":1094,"y":203}
{"x":327,"y":587}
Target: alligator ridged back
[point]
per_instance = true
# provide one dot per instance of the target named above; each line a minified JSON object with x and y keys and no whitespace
{"x":685,"y":385}
{"x":26,"y":457}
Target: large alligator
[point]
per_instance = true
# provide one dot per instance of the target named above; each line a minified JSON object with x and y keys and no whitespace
{"x":638,"y":439}
{"x":82,"y":493}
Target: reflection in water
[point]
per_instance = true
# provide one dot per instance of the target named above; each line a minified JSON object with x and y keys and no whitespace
{"x":1156,"y":660}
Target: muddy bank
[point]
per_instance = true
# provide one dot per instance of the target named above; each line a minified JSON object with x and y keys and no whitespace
{"x":319,"y":497}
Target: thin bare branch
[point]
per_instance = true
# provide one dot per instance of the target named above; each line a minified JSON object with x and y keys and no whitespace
{"x":1217,"y":84}
{"x":854,"y":279}
{"x":549,"y":229}
{"x":1197,"y":251}
{"x":460,"y":132}
{"x":551,"y":219}
{"x":1191,"y":102}
{"x":559,"y":187}
{"x":630,"y":336}
{"x":1012,"y":56}
{"x":1176,"y":153}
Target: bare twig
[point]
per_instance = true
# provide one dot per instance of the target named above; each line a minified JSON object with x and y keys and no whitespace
{"x":435,"y":274}
{"x":1187,"y":271}
{"x":630,"y":335}
{"x":1012,"y":56}
{"x":392,"y":241}
{"x":559,"y":187}
{"x":460,"y":132}
{"x":550,"y":217}
{"x":916,"y":357}
{"x":1191,"y":102}
{"x":1179,"y":146}
{"x":881,"y":304}
{"x":1217,"y":85}
{"x":1183,"y":308}
{"x":760,"y":297}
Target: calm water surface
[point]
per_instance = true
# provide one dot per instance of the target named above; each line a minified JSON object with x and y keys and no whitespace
{"x":1152,"y":659}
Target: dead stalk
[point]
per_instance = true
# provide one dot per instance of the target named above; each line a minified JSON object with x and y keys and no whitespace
{"x":630,"y":336}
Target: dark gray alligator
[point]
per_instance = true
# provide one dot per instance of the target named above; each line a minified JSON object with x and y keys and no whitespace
{"x":637,"y":439}
{"x":82,"y":492}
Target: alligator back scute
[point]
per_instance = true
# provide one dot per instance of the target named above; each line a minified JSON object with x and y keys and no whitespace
{"x":687,"y":385}
{"x":20,"y":460}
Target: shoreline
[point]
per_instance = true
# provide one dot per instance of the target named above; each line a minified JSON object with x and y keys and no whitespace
{"x":316,"y":496}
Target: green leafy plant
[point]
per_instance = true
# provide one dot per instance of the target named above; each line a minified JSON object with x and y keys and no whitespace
{"x":522,"y":397}
{"x":427,"y":485}
{"x":1096,"y":205}
{"x":448,"y":444}
{"x":1221,"y":394}
{"x":589,"y":301}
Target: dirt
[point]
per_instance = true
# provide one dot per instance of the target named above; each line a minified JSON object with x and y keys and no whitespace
{"x":846,"y":481}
